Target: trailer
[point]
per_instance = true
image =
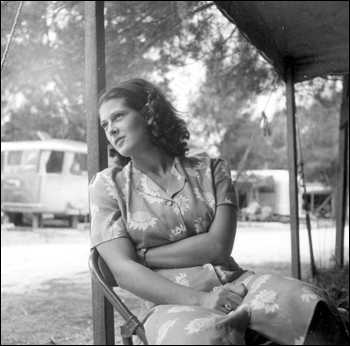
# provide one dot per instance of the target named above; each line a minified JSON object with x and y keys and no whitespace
{"x":44,"y":179}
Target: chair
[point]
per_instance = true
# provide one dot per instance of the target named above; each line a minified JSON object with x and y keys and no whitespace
{"x":132,"y":326}
{"x":104,"y":278}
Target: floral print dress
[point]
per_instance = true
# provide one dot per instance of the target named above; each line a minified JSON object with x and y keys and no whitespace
{"x":125,"y":202}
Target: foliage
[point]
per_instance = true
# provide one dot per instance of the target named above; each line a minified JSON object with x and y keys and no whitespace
{"x":42,"y":81}
{"x":335,"y":281}
{"x":42,"y":84}
{"x":319,"y":133}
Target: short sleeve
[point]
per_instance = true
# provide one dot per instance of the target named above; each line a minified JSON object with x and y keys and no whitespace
{"x":106,"y":216}
{"x":225,"y":192}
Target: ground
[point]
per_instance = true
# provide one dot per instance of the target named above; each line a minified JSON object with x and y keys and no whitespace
{"x":46,"y":285}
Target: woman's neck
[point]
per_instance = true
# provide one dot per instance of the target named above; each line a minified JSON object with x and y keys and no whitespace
{"x":157,"y":163}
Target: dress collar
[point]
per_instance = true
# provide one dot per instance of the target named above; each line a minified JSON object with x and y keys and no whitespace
{"x":145,"y":185}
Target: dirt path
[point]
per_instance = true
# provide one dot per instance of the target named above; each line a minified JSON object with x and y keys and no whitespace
{"x":30,"y":257}
{"x":271,"y":242}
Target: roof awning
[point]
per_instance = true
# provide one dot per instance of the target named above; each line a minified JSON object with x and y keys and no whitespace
{"x":313,"y":34}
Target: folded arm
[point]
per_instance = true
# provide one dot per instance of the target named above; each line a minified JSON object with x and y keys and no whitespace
{"x":119,"y":254}
{"x":213,"y":247}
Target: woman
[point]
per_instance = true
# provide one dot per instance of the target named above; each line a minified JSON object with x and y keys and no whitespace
{"x":163,"y":211}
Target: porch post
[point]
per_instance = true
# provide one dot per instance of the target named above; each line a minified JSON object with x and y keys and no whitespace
{"x":293,"y":171}
{"x":341,"y":194}
{"x":102,"y":310}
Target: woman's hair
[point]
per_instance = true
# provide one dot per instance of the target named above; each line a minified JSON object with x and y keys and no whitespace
{"x":167,"y":130}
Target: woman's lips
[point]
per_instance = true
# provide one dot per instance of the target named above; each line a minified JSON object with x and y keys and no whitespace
{"x":119,"y":141}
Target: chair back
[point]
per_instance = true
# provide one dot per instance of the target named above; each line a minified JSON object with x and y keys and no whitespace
{"x":105,"y":279}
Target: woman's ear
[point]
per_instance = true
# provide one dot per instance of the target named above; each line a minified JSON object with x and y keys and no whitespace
{"x":149,"y":120}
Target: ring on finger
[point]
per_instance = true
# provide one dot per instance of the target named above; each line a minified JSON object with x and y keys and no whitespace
{"x":228,"y":306}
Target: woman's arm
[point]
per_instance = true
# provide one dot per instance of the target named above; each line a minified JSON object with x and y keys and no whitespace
{"x":213,"y":247}
{"x":119,"y":254}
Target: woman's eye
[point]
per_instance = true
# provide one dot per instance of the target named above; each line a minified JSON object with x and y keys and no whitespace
{"x":118,"y":115}
{"x":104,"y":125}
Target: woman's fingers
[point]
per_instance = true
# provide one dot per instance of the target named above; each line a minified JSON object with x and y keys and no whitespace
{"x":235,"y":300}
{"x":236,"y":294}
{"x":226,"y":298}
{"x":238,"y":289}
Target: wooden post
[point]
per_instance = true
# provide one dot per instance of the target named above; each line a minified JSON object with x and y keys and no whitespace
{"x":341,"y":200}
{"x":103,"y":314}
{"x":95,"y":80}
{"x":293,"y":171}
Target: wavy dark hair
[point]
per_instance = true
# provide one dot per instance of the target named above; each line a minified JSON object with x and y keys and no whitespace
{"x":167,"y":130}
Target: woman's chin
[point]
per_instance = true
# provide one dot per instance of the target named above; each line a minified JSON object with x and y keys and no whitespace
{"x":124,"y":152}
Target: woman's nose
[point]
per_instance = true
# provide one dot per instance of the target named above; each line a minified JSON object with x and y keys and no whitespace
{"x":113,"y":130}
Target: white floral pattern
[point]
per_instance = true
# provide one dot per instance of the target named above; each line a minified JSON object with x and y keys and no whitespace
{"x":126,"y":185}
{"x":192,"y":172}
{"x":182,"y":203}
{"x":206,"y":197}
{"x":116,"y":195}
{"x":198,"y":194}
{"x":148,"y":304}
{"x":201,"y":165}
{"x":226,"y":169}
{"x":94,"y":208}
{"x":163,"y":330}
{"x":181,"y":280}
{"x":108,"y":178}
{"x":151,"y":199}
{"x":125,"y":191}
{"x":265,"y":300}
{"x":208,"y":174}
{"x":149,"y":186}
{"x":180,"y":308}
{"x":179,"y":232}
{"x":110,"y":186}
{"x":198,"y":324}
{"x":143,"y":205}
{"x":259,"y":281}
{"x":209,"y":198}
{"x":111,"y":230}
{"x":200,"y":225}
{"x":308,"y":294}
{"x":141,"y":220}
{"x":175,"y":173}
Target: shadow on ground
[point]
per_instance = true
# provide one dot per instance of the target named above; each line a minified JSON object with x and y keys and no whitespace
{"x":59,"y":313}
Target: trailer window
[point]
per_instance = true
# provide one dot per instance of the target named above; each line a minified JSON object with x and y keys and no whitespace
{"x":79,"y":165}
{"x":55,"y":162}
{"x":31,"y":160}
{"x":14,"y":158}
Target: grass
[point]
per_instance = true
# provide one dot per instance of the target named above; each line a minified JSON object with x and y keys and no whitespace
{"x":336,"y":283}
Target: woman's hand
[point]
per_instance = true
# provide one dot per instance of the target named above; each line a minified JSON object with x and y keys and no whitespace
{"x":226,"y":298}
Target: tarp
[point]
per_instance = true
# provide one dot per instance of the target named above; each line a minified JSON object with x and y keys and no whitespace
{"x":313,"y":35}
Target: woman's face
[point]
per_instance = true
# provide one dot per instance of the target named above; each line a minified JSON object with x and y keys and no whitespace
{"x":125,"y":128}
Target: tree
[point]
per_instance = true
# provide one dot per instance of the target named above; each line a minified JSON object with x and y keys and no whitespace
{"x":43,"y":80}
{"x":44,"y":73}
{"x":319,"y":130}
